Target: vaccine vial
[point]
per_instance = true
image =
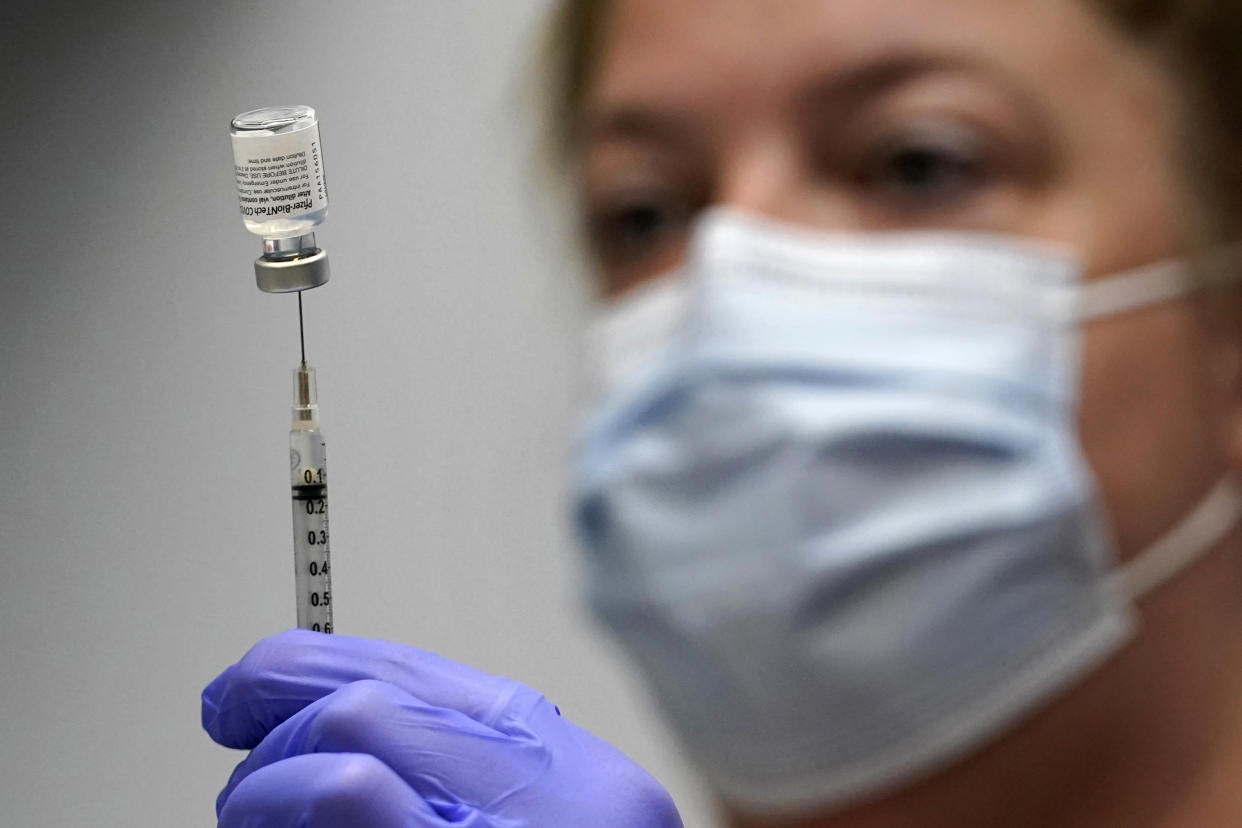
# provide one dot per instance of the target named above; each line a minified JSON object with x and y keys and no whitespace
{"x":278,"y":162}
{"x":282,"y":192}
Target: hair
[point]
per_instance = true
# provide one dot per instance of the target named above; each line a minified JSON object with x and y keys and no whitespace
{"x":1198,"y":41}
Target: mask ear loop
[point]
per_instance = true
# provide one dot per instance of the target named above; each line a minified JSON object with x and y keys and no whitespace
{"x":1155,"y":284}
{"x":1221,"y":509}
{"x":1206,"y":525}
{"x":1152,"y":285}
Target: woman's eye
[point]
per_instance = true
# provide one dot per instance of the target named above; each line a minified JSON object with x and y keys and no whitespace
{"x":625,"y":232}
{"x":922,"y":168}
{"x":917,"y":173}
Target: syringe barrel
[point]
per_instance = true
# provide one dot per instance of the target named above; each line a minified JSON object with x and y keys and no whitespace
{"x":311,"y":537}
{"x":308,"y":478}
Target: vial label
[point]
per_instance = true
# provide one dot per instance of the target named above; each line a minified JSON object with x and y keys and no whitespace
{"x":280,"y":182}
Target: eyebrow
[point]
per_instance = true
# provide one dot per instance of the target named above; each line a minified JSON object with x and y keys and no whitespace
{"x":870,"y":80}
{"x":636,"y":122}
{"x":846,"y":90}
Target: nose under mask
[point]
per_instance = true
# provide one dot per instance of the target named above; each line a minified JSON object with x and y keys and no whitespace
{"x":833,"y":501}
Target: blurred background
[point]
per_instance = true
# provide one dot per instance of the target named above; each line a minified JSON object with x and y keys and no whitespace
{"x":145,"y":381}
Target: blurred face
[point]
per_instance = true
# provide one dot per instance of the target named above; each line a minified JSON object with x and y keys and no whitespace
{"x":1024,"y":117}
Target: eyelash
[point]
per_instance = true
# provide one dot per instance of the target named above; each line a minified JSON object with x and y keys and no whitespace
{"x":626,"y":229}
{"x":923,"y":170}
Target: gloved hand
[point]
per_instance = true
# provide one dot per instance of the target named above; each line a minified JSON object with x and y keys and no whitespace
{"x":368,"y":734}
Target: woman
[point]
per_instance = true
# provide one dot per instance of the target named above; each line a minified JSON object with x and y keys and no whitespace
{"x":910,"y":484}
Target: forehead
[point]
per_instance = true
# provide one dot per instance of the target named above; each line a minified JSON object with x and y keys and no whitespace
{"x":729,"y":51}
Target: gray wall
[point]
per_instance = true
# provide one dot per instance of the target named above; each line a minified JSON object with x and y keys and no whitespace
{"x":144,"y":382}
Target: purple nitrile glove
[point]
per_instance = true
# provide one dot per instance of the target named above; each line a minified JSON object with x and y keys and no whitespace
{"x":369,"y":734}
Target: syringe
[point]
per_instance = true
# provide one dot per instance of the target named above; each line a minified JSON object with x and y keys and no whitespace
{"x":309,"y":481}
{"x":283,"y":197}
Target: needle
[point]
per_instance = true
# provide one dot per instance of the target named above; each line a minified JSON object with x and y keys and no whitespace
{"x":301,"y":329}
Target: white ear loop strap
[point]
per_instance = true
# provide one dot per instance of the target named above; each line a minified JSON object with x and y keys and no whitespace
{"x":1154,"y":284}
{"x":1215,"y":516}
{"x":1221,"y":509}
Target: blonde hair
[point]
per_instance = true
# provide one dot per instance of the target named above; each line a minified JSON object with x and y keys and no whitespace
{"x":1198,"y":41}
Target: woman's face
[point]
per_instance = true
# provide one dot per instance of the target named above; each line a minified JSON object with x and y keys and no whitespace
{"x":1027,"y":117}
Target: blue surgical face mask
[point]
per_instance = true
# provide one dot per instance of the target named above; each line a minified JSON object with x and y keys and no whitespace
{"x":833,"y":500}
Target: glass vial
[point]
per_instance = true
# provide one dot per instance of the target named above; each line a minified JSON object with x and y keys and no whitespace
{"x":278,"y":163}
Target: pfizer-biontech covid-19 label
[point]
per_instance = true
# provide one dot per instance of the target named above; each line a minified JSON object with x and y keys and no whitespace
{"x":278,"y":163}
